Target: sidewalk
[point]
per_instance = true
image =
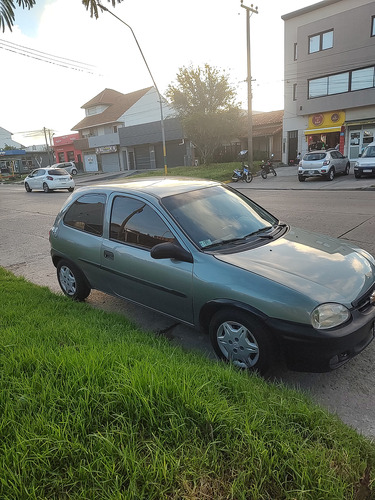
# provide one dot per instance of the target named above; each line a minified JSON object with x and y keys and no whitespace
{"x":286,"y":179}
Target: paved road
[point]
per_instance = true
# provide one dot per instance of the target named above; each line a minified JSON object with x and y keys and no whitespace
{"x":345,"y":212}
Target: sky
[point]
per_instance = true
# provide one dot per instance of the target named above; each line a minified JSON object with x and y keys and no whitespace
{"x":171,"y":33}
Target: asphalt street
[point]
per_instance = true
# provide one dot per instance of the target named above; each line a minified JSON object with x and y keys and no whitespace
{"x":343,"y":208}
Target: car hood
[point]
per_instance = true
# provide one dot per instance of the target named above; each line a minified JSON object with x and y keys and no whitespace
{"x":321,"y":267}
{"x":366,"y":162}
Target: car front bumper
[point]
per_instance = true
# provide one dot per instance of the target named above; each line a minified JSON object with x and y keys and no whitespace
{"x":308,"y":350}
{"x":370,"y":170}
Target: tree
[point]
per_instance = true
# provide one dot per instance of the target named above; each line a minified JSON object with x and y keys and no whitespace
{"x":205,"y":103}
{"x":7,"y":9}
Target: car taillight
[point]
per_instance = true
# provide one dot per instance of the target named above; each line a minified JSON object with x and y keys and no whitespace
{"x":49,"y":178}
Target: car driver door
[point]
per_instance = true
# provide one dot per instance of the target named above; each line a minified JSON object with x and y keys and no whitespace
{"x":161,"y":284}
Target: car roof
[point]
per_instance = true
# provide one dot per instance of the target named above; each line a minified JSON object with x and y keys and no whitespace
{"x":154,"y":186}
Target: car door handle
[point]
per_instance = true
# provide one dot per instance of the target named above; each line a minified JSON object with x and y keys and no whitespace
{"x":109,"y":255}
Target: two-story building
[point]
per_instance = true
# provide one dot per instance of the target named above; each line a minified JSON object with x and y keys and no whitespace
{"x":329,"y":74}
{"x":123,"y":132}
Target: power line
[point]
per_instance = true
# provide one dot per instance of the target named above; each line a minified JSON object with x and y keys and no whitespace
{"x":45,"y":57}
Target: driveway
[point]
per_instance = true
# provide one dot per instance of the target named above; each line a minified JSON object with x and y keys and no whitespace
{"x":347,"y":212}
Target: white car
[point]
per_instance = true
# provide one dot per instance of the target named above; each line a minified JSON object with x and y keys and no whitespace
{"x":324,"y":164}
{"x":48,"y":179}
{"x":69,"y":166}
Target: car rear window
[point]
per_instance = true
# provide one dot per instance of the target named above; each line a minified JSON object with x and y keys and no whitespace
{"x":314,"y":156}
{"x":86,"y":214}
{"x":57,"y":171}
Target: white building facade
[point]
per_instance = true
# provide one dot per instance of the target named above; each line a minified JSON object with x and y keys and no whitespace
{"x":329,"y":74}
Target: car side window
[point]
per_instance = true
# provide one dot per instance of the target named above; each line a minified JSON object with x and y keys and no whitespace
{"x":87,"y":214}
{"x":136,"y":223}
{"x":334,"y":154}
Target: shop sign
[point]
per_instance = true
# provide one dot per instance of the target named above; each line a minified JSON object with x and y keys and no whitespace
{"x":106,"y":149}
{"x":331,"y":119}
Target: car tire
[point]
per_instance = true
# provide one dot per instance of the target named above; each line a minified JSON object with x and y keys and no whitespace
{"x":356,"y":175}
{"x":46,"y":189}
{"x":27,"y":187}
{"x":301,"y":178}
{"x":239,"y":338}
{"x":331,"y":174}
{"x":74,"y":171}
{"x":70,"y":190}
{"x":72,"y":281}
{"x":347,"y":169}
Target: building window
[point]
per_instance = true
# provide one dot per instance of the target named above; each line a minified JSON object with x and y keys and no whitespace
{"x":114,"y":129}
{"x":295,"y":52}
{"x":321,"y":41}
{"x":363,"y":78}
{"x":294,"y":91}
{"x":373,"y":26}
{"x":340,"y":83}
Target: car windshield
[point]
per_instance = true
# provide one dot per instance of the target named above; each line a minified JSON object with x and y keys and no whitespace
{"x":314,"y":156}
{"x":57,"y":171}
{"x":217,"y":215}
{"x":369,"y":152}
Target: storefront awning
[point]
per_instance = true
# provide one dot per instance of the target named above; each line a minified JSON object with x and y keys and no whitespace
{"x":360,"y":122}
{"x":322,"y":130}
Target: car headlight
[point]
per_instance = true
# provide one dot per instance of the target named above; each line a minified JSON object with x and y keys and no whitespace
{"x":356,"y":164}
{"x":329,"y":315}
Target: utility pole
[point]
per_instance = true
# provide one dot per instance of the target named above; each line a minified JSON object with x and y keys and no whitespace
{"x":249,"y":10}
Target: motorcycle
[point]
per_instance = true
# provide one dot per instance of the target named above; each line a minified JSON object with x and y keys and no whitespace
{"x":242,"y":175}
{"x":267,"y":168}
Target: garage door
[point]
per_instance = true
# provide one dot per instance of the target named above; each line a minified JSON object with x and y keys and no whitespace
{"x":142,"y":158}
{"x":110,"y":162}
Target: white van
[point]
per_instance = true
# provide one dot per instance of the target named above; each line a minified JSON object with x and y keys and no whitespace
{"x":365,"y":165}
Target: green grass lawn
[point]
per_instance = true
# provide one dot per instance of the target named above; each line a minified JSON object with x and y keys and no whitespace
{"x":94,"y":408}
{"x":216,"y":171}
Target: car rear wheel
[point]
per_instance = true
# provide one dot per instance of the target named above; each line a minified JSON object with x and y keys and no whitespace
{"x":331,"y":174}
{"x":239,"y":338}
{"x":46,"y":189}
{"x":74,"y":171}
{"x":347,"y":169}
{"x":72,"y":281}
{"x":27,"y":187}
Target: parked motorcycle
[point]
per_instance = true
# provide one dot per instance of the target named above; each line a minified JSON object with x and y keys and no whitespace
{"x":242,"y":175}
{"x":267,"y":168}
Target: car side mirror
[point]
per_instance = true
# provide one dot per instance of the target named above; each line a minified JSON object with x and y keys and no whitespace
{"x":170,"y":251}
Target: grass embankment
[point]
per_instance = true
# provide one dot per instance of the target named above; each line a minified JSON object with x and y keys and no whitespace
{"x":94,"y":408}
{"x":221,"y":172}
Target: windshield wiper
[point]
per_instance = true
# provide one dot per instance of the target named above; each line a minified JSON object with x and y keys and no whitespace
{"x":225,"y":242}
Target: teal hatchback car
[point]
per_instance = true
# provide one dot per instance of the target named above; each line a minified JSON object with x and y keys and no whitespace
{"x":206,"y":255}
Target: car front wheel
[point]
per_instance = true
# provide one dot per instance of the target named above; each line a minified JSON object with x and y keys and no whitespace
{"x":239,"y":338}
{"x":72,"y":281}
{"x":301,"y":178}
{"x":356,"y":175}
{"x":27,"y":187}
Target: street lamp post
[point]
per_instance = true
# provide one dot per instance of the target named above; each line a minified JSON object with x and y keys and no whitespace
{"x":153,"y":81}
{"x":249,"y":91}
